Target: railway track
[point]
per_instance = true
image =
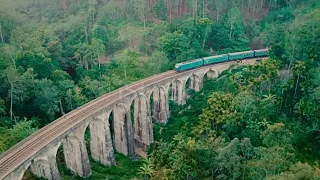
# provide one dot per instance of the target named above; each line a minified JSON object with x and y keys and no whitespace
{"x":9,"y":160}
{"x":24,"y":150}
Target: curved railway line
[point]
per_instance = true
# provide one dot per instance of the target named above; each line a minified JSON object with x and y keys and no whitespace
{"x":26,"y":148}
{"x":18,"y":154}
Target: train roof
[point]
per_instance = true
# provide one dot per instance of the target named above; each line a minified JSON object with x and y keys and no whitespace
{"x":221,"y":55}
{"x":187,"y":62}
{"x":261,"y":50}
{"x":240,"y":52}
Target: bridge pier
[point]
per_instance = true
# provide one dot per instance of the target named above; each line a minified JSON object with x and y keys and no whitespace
{"x":46,"y":165}
{"x":75,"y":153}
{"x":161,"y":104}
{"x":100,"y":140}
{"x":143,"y":126}
{"x":196,"y":82}
{"x":123,"y":130}
{"x":178,"y":91}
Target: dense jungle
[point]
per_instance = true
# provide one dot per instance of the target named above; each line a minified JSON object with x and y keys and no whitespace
{"x":252,"y":122}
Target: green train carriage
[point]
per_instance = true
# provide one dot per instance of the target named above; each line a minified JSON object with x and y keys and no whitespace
{"x":215,"y":59}
{"x":221,"y":58}
{"x":189,"y":65}
{"x":261,"y":53}
{"x":241,"y":55}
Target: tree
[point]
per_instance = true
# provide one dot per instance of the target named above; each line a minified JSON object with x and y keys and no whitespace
{"x":303,"y":36}
{"x":205,"y":26}
{"x":11,"y":136}
{"x":176,"y":45}
{"x":298,"y":171}
{"x":12,"y":79}
{"x":268,"y":162}
{"x":229,"y":162}
{"x":98,"y":48}
{"x":47,"y":98}
{"x":85,"y":55}
{"x":2,"y":107}
{"x":12,"y":53}
{"x":276,"y":135}
{"x":221,"y":111}
{"x":140,"y":8}
{"x":20,"y":87}
{"x":235,"y":23}
{"x":156,"y":63}
{"x":128,"y":62}
{"x":146,"y":169}
{"x":161,"y":9}
{"x":246,"y":105}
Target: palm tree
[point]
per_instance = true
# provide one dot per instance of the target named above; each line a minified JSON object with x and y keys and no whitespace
{"x":146,"y":169}
{"x":270,"y":97}
{"x":264,"y":123}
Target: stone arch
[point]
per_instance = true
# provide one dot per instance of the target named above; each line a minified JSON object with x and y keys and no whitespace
{"x":96,"y":133}
{"x":160,"y":104}
{"x":178,"y":91}
{"x":18,"y":173}
{"x":123,"y":130}
{"x":45,"y":165}
{"x":41,"y":168}
{"x":100,"y":140}
{"x":140,"y":113}
{"x":165,"y":102}
{"x":70,"y":148}
{"x":142,"y":122}
{"x":210,"y":74}
{"x":23,"y":171}
{"x":75,"y":152}
{"x":194,"y":82}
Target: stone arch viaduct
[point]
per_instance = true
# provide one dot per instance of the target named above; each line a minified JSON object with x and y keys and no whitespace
{"x":130,"y":134}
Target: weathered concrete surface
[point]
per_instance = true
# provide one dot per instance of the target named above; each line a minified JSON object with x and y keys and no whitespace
{"x":160,"y":104}
{"x":143,"y":127}
{"x":75,"y":153}
{"x":123,"y":130}
{"x":46,"y":165}
{"x":166,"y":88}
{"x":100,"y":140}
{"x":211,"y":74}
{"x":178,"y":91}
{"x":18,"y":173}
{"x":196,"y":83}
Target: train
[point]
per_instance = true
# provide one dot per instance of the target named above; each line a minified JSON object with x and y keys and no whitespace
{"x":184,"y":66}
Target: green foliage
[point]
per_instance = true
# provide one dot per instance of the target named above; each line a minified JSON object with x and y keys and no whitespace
{"x":298,"y":171}
{"x":127,"y":62}
{"x":156,"y":63}
{"x":11,"y":136}
{"x":146,"y":169}
{"x":176,"y":45}
{"x":47,"y":98}
{"x":251,"y":113}
{"x":248,"y":124}
{"x":124,"y":169}
{"x":2,"y":107}
{"x":269,"y":162}
{"x":276,"y":135}
{"x":220,"y":112}
{"x":161,"y":9}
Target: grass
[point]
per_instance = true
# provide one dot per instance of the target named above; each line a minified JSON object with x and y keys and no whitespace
{"x":124,"y":170}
